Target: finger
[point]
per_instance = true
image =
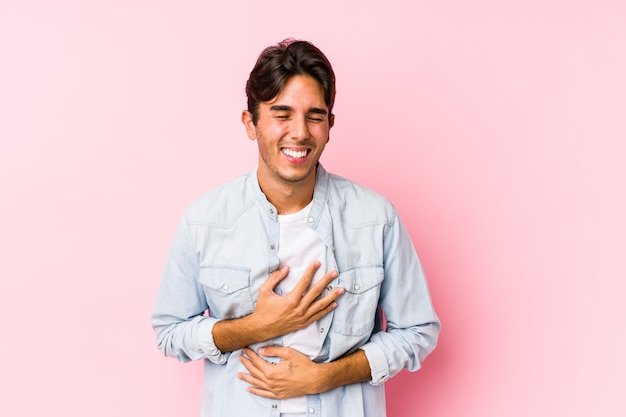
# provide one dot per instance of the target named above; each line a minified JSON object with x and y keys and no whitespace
{"x":255,"y":365}
{"x":257,"y":386}
{"x":251,"y":355}
{"x":319,"y":313}
{"x":255,"y":376}
{"x":280,"y":352}
{"x":263,"y":393}
{"x":306,"y":279}
{"x":324,"y":281}
{"x":257,"y":361}
{"x":325,"y":305}
{"x":275,"y":277}
{"x":319,"y":287}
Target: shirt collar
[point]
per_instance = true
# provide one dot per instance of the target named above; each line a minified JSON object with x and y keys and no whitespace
{"x":320,"y":194}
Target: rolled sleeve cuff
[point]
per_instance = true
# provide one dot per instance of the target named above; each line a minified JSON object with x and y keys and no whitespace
{"x":378,"y":363}
{"x":207,"y":344}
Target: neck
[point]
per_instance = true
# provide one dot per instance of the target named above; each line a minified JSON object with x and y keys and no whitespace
{"x":288,"y":197}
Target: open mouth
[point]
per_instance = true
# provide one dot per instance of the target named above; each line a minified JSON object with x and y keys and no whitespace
{"x":297,"y":154}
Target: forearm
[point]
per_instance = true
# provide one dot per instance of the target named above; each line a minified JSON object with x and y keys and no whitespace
{"x":230,"y":335}
{"x":350,"y":369}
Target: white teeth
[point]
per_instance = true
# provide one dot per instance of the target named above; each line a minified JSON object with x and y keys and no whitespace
{"x":294,"y":154}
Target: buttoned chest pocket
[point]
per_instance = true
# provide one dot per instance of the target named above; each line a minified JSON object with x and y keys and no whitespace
{"x":356,"y":308}
{"x":228,"y":292}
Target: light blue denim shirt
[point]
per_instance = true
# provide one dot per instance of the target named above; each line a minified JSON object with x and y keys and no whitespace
{"x":225,"y":247}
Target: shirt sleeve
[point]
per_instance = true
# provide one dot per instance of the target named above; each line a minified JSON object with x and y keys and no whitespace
{"x":378,"y":363}
{"x":182,"y":330}
{"x":412,"y":326}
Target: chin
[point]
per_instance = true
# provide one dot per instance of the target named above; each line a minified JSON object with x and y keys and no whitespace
{"x":295,"y":176}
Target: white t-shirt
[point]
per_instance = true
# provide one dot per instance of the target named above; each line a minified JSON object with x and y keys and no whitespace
{"x":298,"y":247}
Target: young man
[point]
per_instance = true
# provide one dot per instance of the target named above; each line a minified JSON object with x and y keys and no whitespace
{"x":295,"y":267}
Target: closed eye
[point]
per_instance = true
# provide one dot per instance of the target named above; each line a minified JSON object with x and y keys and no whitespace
{"x":317,"y":115}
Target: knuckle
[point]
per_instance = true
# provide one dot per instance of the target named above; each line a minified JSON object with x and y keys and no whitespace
{"x":271,"y":379}
{"x":292,"y":303}
{"x":300,"y":311}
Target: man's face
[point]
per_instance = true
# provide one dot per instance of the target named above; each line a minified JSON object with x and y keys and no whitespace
{"x":291,"y":131}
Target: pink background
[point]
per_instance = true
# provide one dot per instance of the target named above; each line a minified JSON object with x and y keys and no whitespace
{"x":496,"y":127}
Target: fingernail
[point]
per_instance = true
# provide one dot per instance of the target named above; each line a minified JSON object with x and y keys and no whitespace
{"x":261,"y":351}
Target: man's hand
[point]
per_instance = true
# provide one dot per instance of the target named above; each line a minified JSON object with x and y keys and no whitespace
{"x":295,"y":375}
{"x":281,"y":315}
{"x":291,"y":375}
{"x":277,"y":315}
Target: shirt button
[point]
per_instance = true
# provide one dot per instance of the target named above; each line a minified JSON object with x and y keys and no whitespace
{"x":225,"y":287}
{"x":329,"y":288}
{"x":357,"y":287}
{"x":311,"y":410}
{"x":272,"y":247}
{"x":310,"y":219}
{"x":272,"y":210}
{"x":274,"y":406}
{"x":322,"y":330}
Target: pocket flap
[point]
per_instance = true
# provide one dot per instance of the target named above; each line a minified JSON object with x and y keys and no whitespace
{"x":359,"y":280}
{"x":226,"y":280}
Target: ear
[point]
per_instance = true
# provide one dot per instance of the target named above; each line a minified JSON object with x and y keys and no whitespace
{"x":246,"y":119}
{"x":331,"y":123}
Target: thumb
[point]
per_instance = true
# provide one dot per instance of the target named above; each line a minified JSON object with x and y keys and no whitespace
{"x":274,"y":351}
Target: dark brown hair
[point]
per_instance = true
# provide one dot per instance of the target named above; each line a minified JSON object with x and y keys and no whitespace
{"x":278,"y":63}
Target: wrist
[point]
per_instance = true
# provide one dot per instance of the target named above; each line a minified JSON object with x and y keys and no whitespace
{"x":322,"y":378}
{"x":256,"y":329}
{"x":351,"y":369}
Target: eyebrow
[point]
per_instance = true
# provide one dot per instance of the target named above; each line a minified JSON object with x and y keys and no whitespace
{"x":282,"y":107}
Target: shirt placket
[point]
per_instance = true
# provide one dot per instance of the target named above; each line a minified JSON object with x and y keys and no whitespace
{"x":273,"y":234}
{"x":313,"y":406}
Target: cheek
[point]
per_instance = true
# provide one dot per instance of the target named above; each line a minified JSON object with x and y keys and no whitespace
{"x":320,"y":132}
{"x":274,"y":132}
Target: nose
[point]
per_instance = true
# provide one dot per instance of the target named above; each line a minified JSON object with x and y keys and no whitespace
{"x":299,"y":128}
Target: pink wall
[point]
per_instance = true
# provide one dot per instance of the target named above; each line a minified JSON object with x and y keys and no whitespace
{"x":497,"y":129}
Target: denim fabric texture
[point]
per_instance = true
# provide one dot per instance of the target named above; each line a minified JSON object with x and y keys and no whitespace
{"x":226,"y":246}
